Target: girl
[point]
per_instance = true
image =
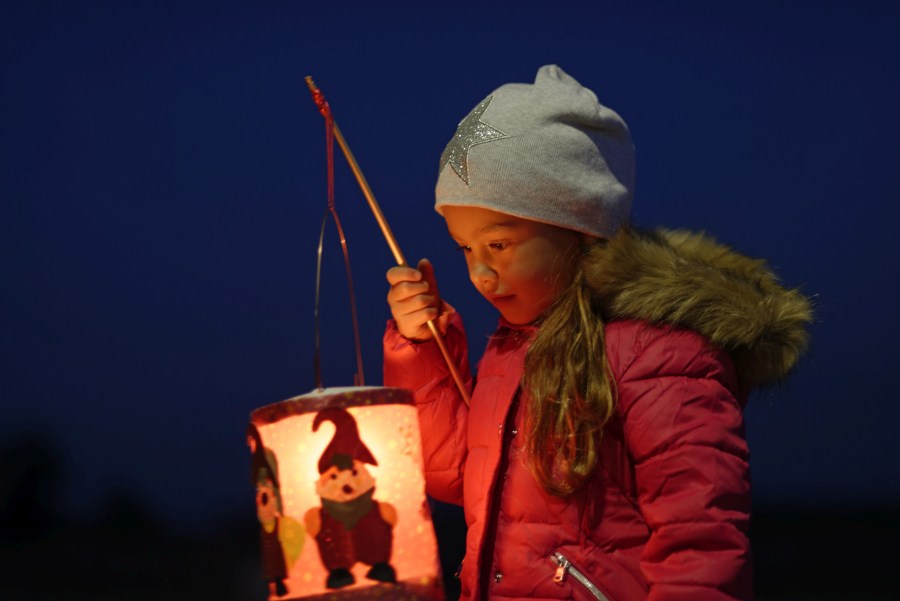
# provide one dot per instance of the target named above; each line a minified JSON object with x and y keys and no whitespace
{"x":603,"y":454}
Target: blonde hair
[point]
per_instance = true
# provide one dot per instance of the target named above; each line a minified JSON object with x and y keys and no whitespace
{"x":571,"y":390}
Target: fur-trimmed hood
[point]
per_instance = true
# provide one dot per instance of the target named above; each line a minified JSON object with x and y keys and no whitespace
{"x":689,"y":279}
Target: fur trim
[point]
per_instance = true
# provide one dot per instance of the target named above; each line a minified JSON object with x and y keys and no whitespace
{"x":690,"y":280}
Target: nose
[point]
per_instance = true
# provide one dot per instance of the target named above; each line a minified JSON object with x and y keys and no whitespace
{"x":482,"y":276}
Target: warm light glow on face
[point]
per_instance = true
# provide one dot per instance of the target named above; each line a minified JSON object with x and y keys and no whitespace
{"x":518,"y":265}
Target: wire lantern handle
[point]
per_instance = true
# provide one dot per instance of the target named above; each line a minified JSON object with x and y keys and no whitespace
{"x":324,"y":108}
{"x":359,"y":377}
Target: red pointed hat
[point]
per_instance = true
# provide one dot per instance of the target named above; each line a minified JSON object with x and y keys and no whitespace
{"x":345,"y":445}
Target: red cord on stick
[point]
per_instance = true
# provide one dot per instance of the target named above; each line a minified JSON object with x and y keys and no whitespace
{"x":325,"y":110}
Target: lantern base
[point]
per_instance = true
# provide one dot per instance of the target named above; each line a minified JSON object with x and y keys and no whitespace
{"x":431,"y":590}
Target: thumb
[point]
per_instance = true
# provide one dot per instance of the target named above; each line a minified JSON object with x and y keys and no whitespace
{"x":427,"y":270}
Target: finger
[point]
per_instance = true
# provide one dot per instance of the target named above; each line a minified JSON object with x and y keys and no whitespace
{"x":427,"y":271}
{"x":403,"y":273}
{"x":412,"y":305}
{"x":413,"y":325}
{"x":405,"y":291}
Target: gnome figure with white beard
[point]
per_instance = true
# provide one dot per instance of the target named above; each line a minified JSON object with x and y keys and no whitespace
{"x":350,"y":526}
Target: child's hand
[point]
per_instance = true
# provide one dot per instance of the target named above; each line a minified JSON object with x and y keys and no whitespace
{"x":414,"y":299}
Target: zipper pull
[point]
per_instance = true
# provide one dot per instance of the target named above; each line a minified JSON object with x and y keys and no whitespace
{"x":564,"y":564}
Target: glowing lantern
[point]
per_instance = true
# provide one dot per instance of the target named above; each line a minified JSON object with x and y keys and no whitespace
{"x":340,"y":496}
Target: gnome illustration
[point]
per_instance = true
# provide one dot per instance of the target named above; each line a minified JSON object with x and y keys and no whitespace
{"x":350,"y":525}
{"x":281,"y":537}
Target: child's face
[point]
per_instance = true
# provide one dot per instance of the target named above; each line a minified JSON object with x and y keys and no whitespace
{"x":517,"y":264}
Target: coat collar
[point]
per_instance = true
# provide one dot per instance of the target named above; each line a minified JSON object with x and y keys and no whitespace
{"x":689,"y":280}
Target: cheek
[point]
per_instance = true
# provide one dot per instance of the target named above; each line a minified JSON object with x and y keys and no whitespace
{"x":364,"y":481}
{"x":528,"y":271}
{"x":326,"y":487}
{"x":543,"y":277}
{"x":558,"y":264}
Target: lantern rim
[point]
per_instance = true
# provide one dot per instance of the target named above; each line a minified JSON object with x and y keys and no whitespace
{"x":344,"y":397}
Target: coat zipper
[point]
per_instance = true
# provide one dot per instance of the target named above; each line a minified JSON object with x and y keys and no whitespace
{"x":564,"y":566}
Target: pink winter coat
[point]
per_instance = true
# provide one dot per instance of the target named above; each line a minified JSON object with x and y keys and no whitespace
{"x":664,"y":516}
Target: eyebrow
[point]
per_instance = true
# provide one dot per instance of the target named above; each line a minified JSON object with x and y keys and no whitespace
{"x":490,"y":227}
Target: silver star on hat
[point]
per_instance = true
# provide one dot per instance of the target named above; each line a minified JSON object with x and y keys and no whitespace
{"x":470,"y":132}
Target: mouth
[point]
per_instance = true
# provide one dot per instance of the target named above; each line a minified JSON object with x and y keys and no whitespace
{"x":500,"y":299}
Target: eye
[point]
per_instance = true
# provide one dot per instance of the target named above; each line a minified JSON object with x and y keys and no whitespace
{"x":354,"y":472}
{"x":499,"y":245}
{"x":334,"y":476}
{"x":464,"y":249}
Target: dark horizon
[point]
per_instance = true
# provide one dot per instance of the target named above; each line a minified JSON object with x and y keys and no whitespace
{"x":125,"y":547}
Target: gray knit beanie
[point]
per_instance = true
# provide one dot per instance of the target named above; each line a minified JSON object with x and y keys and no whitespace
{"x":547,"y":151}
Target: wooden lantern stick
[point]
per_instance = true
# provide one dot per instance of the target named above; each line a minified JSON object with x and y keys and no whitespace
{"x":319,"y":99}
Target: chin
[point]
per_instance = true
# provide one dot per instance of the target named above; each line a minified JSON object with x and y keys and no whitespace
{"x":519,"y":319}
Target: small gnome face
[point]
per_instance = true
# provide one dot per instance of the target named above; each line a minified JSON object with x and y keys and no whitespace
{"x":266,"y":508}
{"x":344,"y":485}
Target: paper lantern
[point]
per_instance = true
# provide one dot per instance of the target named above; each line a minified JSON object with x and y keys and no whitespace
{"x":340,"y":497}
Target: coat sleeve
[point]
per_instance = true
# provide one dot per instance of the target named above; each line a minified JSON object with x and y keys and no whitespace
{"x":443,"y":415}
{"x":684,"y":429}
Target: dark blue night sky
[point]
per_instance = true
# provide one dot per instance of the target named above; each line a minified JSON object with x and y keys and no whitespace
{"x":163,"y":181}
